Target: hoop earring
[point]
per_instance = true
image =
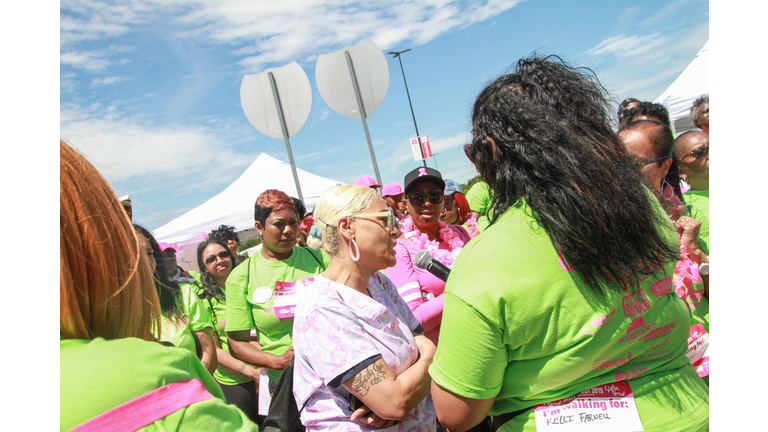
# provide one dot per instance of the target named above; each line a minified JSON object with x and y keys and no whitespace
{"x":354,"y":255}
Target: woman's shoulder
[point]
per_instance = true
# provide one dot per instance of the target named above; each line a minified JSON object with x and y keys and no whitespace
{"x":99,"y":375}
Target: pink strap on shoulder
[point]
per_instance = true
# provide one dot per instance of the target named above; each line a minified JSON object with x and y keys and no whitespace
{"x":148,"y":408}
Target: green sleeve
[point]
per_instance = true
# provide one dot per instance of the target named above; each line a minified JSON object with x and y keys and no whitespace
{"x":238,"y":309}
{"x":699,"y":215}
{"x":194,"y":308}
{"x":471,"y":357}
{"x":478,"y":197}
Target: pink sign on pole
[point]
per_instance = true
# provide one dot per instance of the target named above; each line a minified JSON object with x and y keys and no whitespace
{"x":425,"y":148}
{"x":420,"y":148}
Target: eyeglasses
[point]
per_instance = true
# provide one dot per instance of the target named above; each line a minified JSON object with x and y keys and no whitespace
{"x":698,"y":153}
{"x":223,"y":255}
{"x":417,"y":199}
{"x":655,"y":160}
{"x":392,"y":221}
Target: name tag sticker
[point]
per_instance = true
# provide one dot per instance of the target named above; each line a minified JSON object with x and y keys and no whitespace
{"x":287,"y":296}
{"x":698,"y":349}
{"x":605,"y":408}
{"x":261,"y":295}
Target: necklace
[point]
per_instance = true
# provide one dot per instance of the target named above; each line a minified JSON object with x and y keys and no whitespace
{"x":447,"y":236}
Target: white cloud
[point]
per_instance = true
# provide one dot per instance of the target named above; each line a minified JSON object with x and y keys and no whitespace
{"x":83,"y":20}
{"x":627,"y":46}
{"x":669,"y":9}
{"x":392,"y":160}
{"x":130,"y":152}
{"x":268,"y":33}
{"x":98,"y":82}
{"x":445,"y":143}
{"x":644,"y":65}
{"x":124,"y":61}
{"x":90,"y":61}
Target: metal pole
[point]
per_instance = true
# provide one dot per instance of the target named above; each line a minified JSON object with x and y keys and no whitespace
{"x":409,"y":95}
{"x":284,"y":132}
{"x":397,"y":54}
{"x":361,"y":110}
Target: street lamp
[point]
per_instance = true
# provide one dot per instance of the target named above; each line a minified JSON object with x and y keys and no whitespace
{"x":396,"y":54}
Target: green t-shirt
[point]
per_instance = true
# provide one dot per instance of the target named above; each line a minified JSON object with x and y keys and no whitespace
{"x":244,"y":311}
{"x":520,"y":327}
{"x":177,"y":331}
{"x":99,"y":375}
{"x":697,"y":203}
{"x":217,"y":311}
{"x":479,"y":197}
{"x":196,"y":311}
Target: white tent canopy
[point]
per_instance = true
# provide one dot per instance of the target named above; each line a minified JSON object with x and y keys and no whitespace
{"x":692,"y":83}
{"x":234,"y":205}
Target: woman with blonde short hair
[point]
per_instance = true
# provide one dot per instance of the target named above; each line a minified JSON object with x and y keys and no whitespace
{"x":360,"y":358}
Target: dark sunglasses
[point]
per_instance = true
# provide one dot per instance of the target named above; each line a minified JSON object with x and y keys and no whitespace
{"x":417,"y":199}
{"x":223,"y":255}
{"x":699,"y":153}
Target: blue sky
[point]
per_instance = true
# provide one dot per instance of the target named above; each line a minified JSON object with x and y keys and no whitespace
{"x":150,"y":91}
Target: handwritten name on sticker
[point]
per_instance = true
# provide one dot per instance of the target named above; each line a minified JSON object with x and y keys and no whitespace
{"x":606,"y":408}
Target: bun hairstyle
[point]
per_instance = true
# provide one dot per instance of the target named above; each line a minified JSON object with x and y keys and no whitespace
{"x":337,"y":202}
{"x":106,"y":288}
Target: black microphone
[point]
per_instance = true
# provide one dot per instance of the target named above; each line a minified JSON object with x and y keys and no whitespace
{"x":425,"y":260}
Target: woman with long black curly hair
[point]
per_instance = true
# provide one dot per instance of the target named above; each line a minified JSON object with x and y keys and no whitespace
{"x":567,"y":296}
{"x":237,"y":379}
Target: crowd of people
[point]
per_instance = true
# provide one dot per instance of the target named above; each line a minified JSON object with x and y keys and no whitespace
{"x":570,"y":285}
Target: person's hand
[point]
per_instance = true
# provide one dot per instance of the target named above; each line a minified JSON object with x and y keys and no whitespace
{"x":255,"y":376}
{"x":426,"y":347}
{"x":688,"y":230}
{"x":370,"y":418}
{"x":283,"y":360}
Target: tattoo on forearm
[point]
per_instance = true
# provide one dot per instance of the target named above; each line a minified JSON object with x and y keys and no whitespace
{"x":205,"y":363}
{"x":204,"y":343}
{"x":368,"y":377}
{"x":241,"y":371}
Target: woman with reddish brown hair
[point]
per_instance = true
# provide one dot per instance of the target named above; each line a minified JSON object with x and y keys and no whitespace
{"x":261,"y":284}
{"x":111,"y":368}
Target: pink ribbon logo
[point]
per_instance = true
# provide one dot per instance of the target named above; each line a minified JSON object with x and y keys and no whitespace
{"x":422,"y":172}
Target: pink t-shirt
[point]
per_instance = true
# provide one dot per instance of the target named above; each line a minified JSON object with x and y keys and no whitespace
{"x":337,"y":328}
{"x":422,"y":291}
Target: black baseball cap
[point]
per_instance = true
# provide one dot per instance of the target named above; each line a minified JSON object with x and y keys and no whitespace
{"x":421,"y":174}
